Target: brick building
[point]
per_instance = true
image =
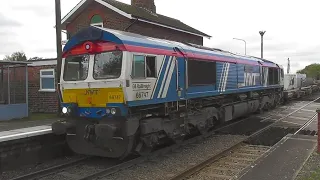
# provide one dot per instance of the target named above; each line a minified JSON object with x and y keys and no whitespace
{"x":139,"y":17}
{"x":42,"y":86}
{"x":42,"y":80}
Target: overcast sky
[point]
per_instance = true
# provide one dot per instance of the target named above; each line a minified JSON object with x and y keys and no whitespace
{"x":292,"y":26}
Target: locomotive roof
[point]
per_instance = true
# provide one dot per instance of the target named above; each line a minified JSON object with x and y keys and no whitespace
{"x":137,"y":40}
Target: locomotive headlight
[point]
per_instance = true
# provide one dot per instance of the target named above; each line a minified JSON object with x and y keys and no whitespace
{"x":108,"y":111}
{"x":113,"y":111}
{"x":64,"y":110}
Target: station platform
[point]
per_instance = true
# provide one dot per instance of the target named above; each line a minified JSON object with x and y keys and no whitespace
{"x":12,"y":130}
{"x":284,"y":160}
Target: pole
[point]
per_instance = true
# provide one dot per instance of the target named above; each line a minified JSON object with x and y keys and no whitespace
{"x":288,"y":68}
{"x":9,"y":97}
{"x":262,"y":46}
{"x":262,"y":33}
{"x":245,"y":48}
{"x":245,"y":45}
{"x":58,"y":44}
{"x":27,"y":88}
{"x":318,"y":112}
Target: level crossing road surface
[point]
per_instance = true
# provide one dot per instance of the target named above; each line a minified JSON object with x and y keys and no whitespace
{"x":299,"y":118}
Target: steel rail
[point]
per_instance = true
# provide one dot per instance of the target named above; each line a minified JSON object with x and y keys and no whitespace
{"x":306,"y":124}
{"x":52,"y":170}
{"x":196,"y":168}
{"x":138,"y":160}
{"x":129,"y":163}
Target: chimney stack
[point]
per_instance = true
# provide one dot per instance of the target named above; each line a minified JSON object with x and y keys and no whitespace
{"x":145,"y":4}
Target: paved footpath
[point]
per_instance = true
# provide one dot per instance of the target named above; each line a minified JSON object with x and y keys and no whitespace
{"x":284,"y":161}
{"x":19,"y":129}
{"x":19,"y":124}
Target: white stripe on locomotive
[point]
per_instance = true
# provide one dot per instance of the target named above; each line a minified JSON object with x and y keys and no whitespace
{"x":266,"y":70}
{"x":221,"y":77}
{"x":164,"y":77}
{"x":166,"y":87}
{"x":159,"y":73}
{"x":224,"y":74}
{"x":226,"y":77}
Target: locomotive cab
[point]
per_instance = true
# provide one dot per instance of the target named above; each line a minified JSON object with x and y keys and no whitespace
{"x":92,"y":81}
{"x":92,"y":89}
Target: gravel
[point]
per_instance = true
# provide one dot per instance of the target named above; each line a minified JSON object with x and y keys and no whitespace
{"x":36,"y":167}
{"x":163,"y":167}
{"x":311,"y":167}
{"x":168,"y":165}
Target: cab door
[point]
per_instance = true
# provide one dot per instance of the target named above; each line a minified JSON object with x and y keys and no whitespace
{"x":181,"y":76}
{"x":281,"y":77}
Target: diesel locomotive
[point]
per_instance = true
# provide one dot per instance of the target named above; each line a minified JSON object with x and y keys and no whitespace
{"x":124,"y":93}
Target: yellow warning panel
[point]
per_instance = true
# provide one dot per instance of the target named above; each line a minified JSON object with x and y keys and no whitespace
{"x":93,"y":97}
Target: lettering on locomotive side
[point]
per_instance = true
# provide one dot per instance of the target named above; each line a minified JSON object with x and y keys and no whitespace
{"x":91,"y":92}
{"x":142,"y":95}
{"x":141,"y":86}
{"x":142,"y":90}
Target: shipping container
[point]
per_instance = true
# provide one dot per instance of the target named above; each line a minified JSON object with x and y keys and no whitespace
{"x":293,"y":81}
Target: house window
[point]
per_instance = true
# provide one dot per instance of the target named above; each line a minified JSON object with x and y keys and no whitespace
{"x":47,"y":80}
{"x":144,"y":66}
{"x":96,"y":20}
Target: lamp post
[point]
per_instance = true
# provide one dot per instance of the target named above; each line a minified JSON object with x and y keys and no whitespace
{"x":261,"y":34}
{"x":288,"y":68}
{"x":245,"y":45}
{"x":58,"y":36}
{"x":58,"y":45}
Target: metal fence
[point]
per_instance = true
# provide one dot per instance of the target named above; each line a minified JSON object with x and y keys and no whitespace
{"x":13,"y":90}
{"x":13,"y":81}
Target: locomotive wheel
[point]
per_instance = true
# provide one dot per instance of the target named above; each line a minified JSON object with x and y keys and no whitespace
{"x":178,"y":140}
{"x":112,"y":148}
{"x":266,"y":106}
{"x":142,"y":149}
{"x":205,"y":130}
{"x":130,"y":147}
{"x":260,"y":110}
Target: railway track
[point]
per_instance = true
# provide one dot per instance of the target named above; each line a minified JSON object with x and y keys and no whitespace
{"x":92,"y":168}
{"x":230,"y":163}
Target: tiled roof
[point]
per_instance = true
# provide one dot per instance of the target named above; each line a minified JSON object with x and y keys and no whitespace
{"x":134,"y":12}
{"x":157,"y":18}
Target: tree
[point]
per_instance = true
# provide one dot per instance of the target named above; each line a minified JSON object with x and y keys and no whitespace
{"x":16,"y":56}
{"x":312,"y":71}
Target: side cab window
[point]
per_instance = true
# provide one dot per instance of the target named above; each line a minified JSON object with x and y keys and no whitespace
{"x":143,"y":67}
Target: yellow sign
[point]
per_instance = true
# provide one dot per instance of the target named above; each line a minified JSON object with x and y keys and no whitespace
{"x":93,"y":97}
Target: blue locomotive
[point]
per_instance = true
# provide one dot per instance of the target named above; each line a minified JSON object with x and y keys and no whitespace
{"x":124,"y":93}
